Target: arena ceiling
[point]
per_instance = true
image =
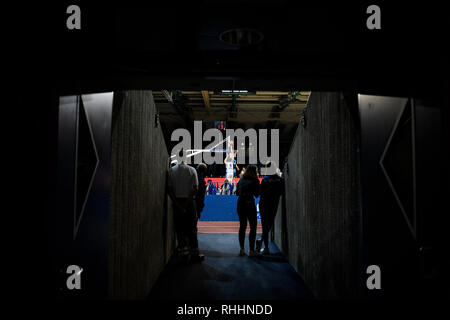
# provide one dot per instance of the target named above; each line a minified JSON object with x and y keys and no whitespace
{"x":280,"y":110}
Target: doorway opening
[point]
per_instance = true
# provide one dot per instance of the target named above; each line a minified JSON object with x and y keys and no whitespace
{"x":197,"y":112}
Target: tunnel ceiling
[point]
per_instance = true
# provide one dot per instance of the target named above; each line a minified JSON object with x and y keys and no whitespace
{"x":247,"y":108}
{"x":259,"y":109}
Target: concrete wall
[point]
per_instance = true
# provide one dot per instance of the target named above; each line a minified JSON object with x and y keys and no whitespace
{"x":318,"y":225}
{"x":141,"y":222}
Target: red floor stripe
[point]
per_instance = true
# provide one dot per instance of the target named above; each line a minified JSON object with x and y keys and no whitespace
{"x":222,"y":227}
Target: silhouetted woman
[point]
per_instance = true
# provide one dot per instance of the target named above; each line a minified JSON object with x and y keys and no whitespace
{"x":247,"y":188}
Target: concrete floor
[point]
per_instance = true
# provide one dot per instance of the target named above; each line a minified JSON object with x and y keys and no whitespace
{"x":223,"y":275}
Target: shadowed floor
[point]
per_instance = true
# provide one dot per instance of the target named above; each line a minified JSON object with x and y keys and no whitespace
{"x":223,"y":275}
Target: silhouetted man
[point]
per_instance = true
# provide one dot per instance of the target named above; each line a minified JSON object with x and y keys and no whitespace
{"x":182,"y":187}
{"x":200,"y":196}
{"x":272,"y":187}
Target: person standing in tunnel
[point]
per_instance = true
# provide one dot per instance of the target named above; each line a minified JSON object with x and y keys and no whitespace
{"x":182,"y":187}
{"x":200,"y":203}
{"x":272,"y":187}
{"x":247,"y":188}
{"x":201,"y":192}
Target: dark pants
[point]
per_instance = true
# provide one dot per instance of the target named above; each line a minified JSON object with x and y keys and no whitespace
{"x":186,"y":225}
{"x":268,"y":212}
{"x":199,"y":205}
{"x":247,"y":211}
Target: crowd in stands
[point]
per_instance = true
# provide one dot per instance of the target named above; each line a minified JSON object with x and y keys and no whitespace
{"x":226,"y":188}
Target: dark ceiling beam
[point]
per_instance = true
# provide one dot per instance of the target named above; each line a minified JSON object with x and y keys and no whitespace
{"x":205,"y":96}
{"x":284,"y":105}
{"x":276,"y":110}
{"x":256,"y":102}
{"x":256,"y":113}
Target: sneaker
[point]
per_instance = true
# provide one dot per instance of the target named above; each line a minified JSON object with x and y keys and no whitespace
{"x":252,"y":253}
{"x":194,"y":252}
{"x":264,"y":251}
{"x":242,"y":253}
{"x":258,"y":245}
{"x":184,"y":251}
{"x":197,"y":258}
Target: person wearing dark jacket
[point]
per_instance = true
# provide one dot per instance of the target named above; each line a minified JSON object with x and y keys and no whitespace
{"x":200,"y":196}
{"x":182,"y":188}
{"x":272,"y":187}
{"x":247,"y":188}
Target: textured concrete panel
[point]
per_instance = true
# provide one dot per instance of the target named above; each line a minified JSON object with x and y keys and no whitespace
{"x":141,"y":223}
{"x":319,"y":226}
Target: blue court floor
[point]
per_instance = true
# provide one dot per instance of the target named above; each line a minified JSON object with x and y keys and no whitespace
{"x":222,"y":208}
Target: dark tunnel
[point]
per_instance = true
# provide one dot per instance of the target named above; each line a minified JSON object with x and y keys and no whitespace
{"x":360,"y":131}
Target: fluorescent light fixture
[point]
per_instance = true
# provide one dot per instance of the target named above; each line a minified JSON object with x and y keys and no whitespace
{"x":234,"y":91}
{"x":167,"y":95}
